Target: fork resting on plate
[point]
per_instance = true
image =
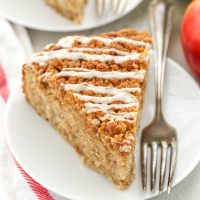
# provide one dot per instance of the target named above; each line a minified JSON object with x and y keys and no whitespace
{"x":159,"y":133}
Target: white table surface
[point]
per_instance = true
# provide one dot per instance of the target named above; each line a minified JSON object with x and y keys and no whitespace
{"x":189,"y":188}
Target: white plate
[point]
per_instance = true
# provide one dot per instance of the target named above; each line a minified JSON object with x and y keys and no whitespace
{"x":36,"y":14}
{"x":51,"y":161}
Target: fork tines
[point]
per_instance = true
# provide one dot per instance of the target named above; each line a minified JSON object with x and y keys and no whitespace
{"x":166,"y":150}
{"x":117,"y":6}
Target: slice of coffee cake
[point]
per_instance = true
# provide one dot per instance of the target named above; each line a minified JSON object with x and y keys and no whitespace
{"x":91,"y":89}
{"x":71,"y":9}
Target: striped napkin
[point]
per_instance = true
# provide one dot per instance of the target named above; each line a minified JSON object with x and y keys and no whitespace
{"x":15,"y":183}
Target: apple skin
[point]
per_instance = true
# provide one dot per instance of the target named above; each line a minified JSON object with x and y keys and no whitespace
{"x":190,"y":36}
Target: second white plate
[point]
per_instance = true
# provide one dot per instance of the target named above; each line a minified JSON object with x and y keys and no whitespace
{"x":52,"y":162}
{"x":37,"y":15}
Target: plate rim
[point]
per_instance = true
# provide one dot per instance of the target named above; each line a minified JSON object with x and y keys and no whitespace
{"x":75,"y":29}
{"x":177,"y":181}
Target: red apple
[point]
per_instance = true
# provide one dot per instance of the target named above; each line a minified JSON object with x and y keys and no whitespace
{"x":190,"y":36}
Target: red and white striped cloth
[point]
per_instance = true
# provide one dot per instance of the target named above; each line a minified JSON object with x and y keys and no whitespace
{"x":15,"y":183}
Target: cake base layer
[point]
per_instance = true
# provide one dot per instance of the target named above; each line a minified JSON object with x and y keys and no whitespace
{"x":118,"y":167}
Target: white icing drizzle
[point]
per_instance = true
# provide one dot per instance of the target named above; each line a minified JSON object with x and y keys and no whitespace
{"x":99,"y":89}
{"x":86,"y":73}
{"x":125,"y":148}
{"x":123,"y":116}
{"x":91,"y":107}
{"x":131,"y":137}
{"x":68,"y":41}
{"x":96,"y":121}
{"x":44,"y":57}
{"x":101,"y":50}
{"x":44,"y":75}
{"x":108,"y":99}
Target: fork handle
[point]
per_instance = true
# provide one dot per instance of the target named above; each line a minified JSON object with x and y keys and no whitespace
{"x":161,"y":14}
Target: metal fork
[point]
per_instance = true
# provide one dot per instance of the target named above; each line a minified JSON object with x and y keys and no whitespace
{"x":159,"y":134}
{"x":117,"y":6}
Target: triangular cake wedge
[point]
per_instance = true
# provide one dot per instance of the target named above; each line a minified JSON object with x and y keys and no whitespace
{"x":71,"y":9}
{"x":91,"y":89}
